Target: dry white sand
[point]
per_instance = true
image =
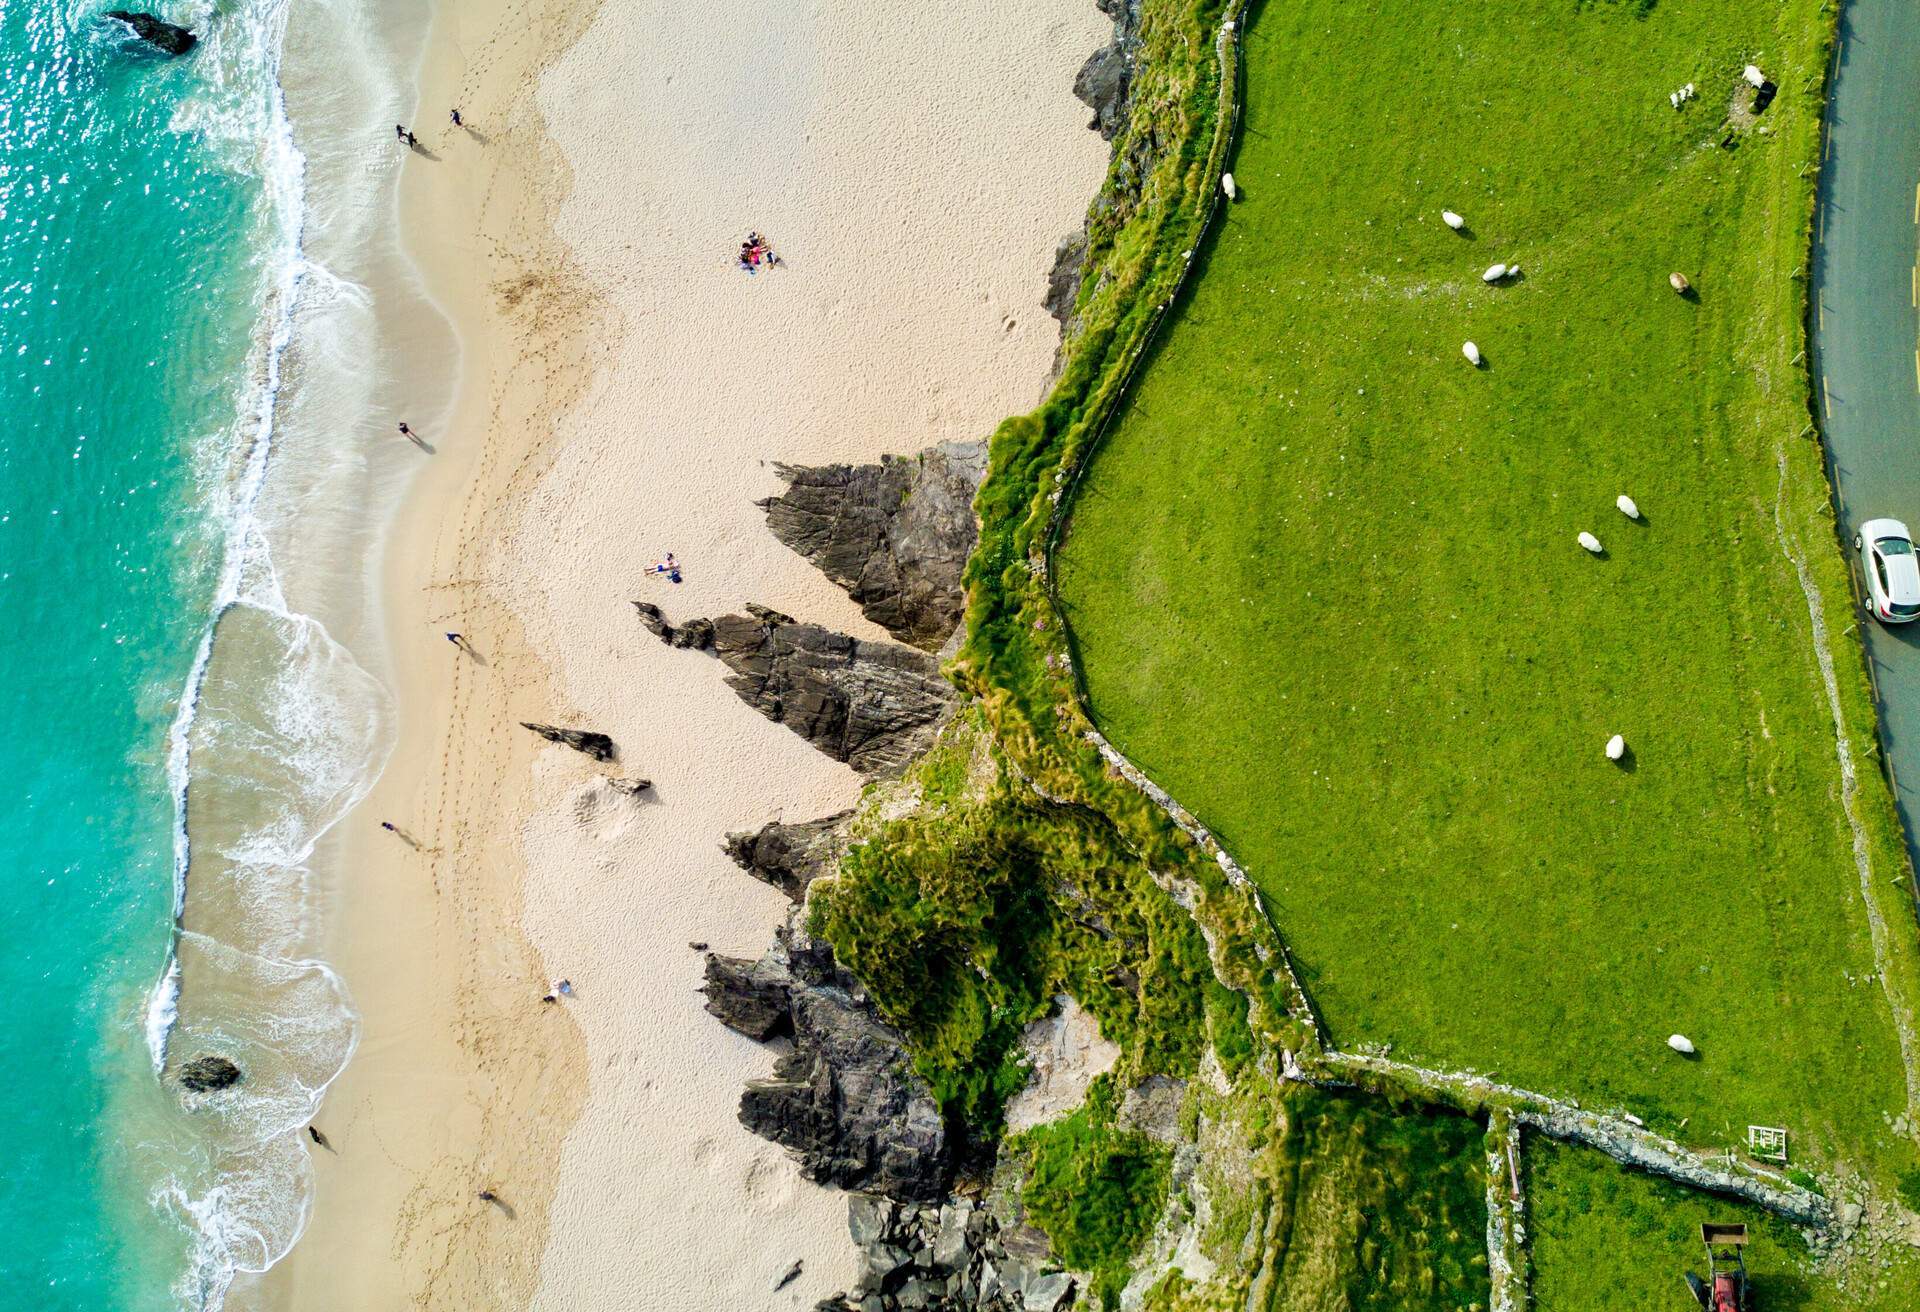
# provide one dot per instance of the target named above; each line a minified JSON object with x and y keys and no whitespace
{"x":914,"y":172}
{"x":915,"y":169}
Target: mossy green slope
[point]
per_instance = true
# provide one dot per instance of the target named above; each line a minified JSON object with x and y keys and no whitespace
{"x":1320,"y":1200}
{"x":1325,"y":588}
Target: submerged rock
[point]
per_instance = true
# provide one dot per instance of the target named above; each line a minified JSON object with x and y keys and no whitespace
{"x":790,"y":857}
{"x":597,"y":745}
{"x":209,"y":1073}
{"x":895,"y":535}
{"x":167,"y":38}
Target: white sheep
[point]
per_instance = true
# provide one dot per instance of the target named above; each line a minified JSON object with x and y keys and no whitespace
{"x":1673,"y":98}
{"x":1687,"y":91}
{"x":1680,"y":1043}
{"x":1616,"y":747}
{"x":1472,"y":353}
{"x":1627,"y":506}
{"x":1494,"y":273}
{"x":1452,"y":220}
{"x":1755,"y":78}
{"x":1590,"y":542}
{"x":1226,"y":185}
{"x":1678,"y":281}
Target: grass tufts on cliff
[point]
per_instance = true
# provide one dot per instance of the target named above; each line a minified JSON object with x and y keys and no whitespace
{"x":1323,"y":1199}
{"x":968,"y":913}
{"x":1094,"y":1188}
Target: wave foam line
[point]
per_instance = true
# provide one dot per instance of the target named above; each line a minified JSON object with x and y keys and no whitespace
{"x":285,"y":177}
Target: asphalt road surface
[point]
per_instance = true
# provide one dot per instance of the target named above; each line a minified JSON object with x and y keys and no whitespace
{"x":1866,"y":291}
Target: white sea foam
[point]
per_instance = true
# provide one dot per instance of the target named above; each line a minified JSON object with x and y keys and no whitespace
{"x":279,"y":726}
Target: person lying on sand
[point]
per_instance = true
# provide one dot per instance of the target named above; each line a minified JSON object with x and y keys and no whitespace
{"x":670,"y":567}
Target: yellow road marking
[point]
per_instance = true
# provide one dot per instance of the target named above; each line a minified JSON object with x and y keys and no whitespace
{"x":1916,"y":202}
{"x":1826,"y":398}
{"x":1916,"y":371}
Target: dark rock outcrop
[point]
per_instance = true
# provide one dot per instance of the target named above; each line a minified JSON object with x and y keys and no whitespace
{"x":941,"y":1258}
{"x":1063,"y":283}
{"x":895,"y":535}
{"x":748,"y":996}
{"x":1105,"y":80}
{"x":597,"y":745}
{"x":167,"y":38}
{"x":874,"y":705}
{"x":208,"y":1074}
{"x":696,"y":635}
{"x":790,"y":857}
{"x":848,"y":1103}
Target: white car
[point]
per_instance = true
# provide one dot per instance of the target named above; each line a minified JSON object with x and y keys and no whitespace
{"x":1892,"y":570}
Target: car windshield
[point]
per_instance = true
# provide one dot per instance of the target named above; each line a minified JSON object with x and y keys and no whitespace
{"x":1894,"y":547}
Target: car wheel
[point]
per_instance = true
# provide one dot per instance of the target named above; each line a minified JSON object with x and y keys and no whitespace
{"x":1856,"y":542}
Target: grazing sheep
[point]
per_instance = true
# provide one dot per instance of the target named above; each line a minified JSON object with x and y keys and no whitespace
{"x":1226,"y":185}
{"x":1472,"y":353}
{"x":1680,"y":1043}
{"x":1452,"y":220}
{"x":1679,"y":283}
{"x":1494,"y":274}
{"x":1755,"y":78}
{"x":1626,"y":505}
{"x":1616,"y":747}
{"x":1590,"y":542}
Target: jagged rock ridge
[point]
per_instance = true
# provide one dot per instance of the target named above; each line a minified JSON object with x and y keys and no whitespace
{"x":895,"y":535}
{"x":874,"y":705}
{"x":845,"y":1100}
{"x":597,"y":745}
{"x":1106,"y":79}
{"x":948,"y":1258}
{"x":791,"y":856}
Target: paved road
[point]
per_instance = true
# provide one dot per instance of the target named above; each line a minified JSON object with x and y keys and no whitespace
{"x":1867,"y":325}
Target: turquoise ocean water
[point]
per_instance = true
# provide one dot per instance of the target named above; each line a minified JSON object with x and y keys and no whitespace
{"x":157,"y":686}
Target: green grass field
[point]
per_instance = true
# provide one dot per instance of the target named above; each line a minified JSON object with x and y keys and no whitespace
{"x":1324,"y":583}
{"x":1606,"y":1238}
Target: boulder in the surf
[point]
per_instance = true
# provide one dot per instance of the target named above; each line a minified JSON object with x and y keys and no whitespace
{"x":208,"y":1074}
{"x":167,"y":38}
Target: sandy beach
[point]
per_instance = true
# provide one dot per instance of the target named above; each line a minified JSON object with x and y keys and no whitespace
{"x":624,"y":391}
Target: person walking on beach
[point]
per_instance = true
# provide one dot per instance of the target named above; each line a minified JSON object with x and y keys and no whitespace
{"x":407,"y":432}
{"x":489,"y":1196}
{"x":319,"y":1138}
{"x":456,"y":118}
{"x":400,"y":131}
{"x":400,"y":833}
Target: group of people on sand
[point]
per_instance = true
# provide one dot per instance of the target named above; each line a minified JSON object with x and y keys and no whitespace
{"x":756,"y":255}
